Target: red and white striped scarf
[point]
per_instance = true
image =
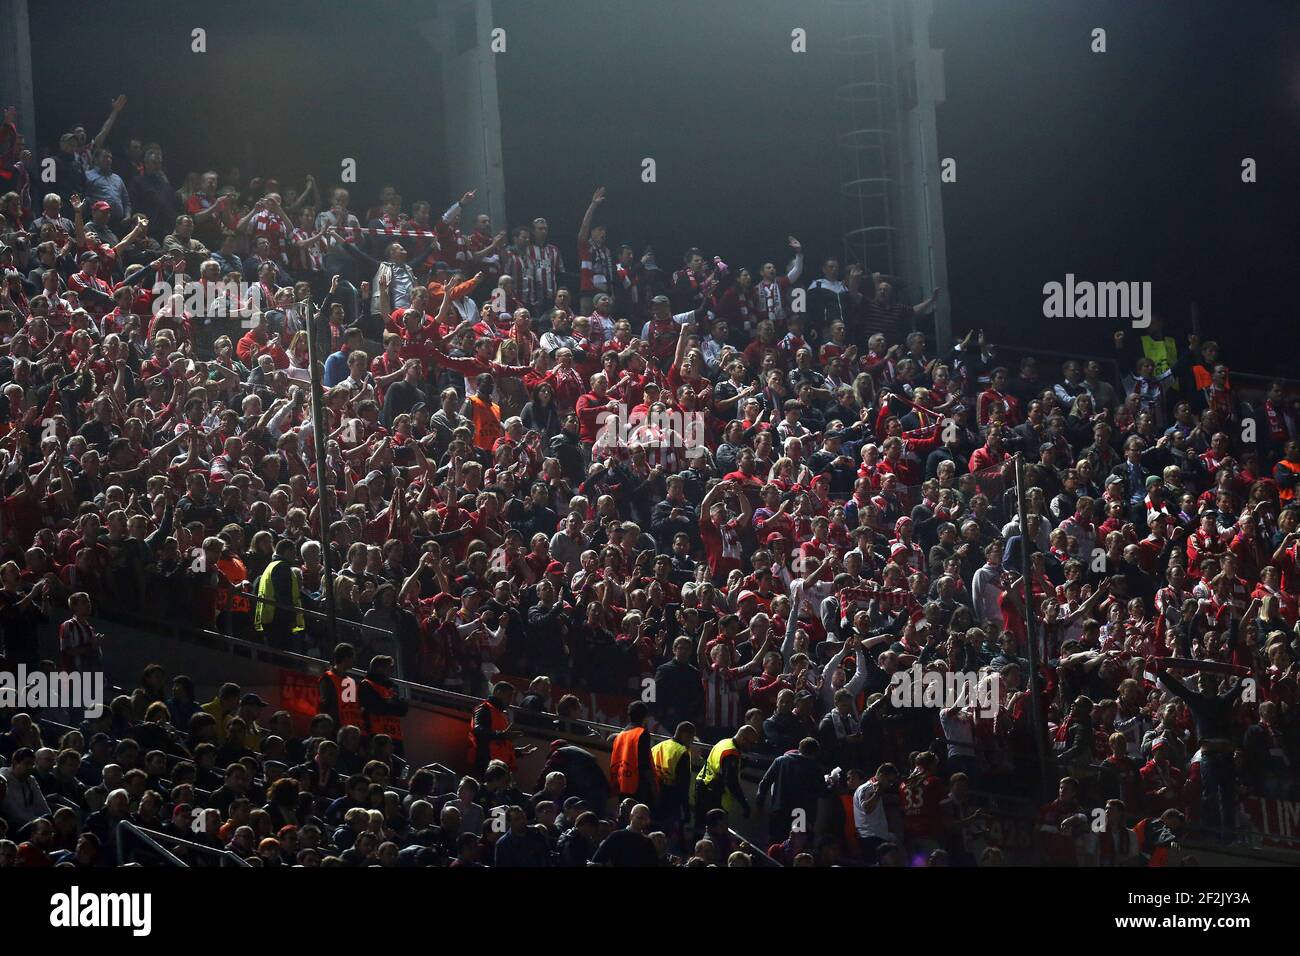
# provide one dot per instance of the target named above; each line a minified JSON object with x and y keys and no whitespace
{"x":407,"y":232}
{"x":517,"y":268}
{"x":544,"y":264}
{"x":629,"y":284}
{"x":309,"y":257}
{"x":596,"y":267}
{"x":771,"y":300}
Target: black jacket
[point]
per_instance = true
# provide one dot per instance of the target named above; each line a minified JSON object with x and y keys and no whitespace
{"x":679,"y":694}
{"x":793,"y":781}
{"x":574,"y":848}
{"x":567,"y":449}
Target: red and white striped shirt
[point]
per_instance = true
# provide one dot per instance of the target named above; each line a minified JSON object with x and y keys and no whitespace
{"x":545,"y":265}
{"x":722,"y":686}
{"x":517,"y":267}
{"x":76,"y":639}
{"x":596,"y":265}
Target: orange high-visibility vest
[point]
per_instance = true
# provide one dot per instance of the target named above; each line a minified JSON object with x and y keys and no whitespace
{"x":625,"y":763}
{"x":389,"y":724}
{"x":487,"y":422}
{"x":1286,"y":494}
{"x":502,"y":750}
{"x":349,"y":711}
{"x":1204,"y":377}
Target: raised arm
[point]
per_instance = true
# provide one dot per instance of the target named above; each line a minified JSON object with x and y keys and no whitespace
{"x":796,"y":267}
{"x":746,"y":509}
{"x":140,"y":229}
{"x":308,"y":193}
{"x":709,"y":629}
{"x":118,"y":105}
{"x":203,"y":215}
{"x":927,"y":304}
{"x":584,"y":230}
{"x":465,"y":199}
{"x":792,"y":620}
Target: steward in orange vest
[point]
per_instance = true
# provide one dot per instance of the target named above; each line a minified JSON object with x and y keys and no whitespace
{"x":338,"y":691}
{"x":381,"y":709}
{"x":491,"y":731}
{"x":1287,"y":473}
{"x":484,"y":414}
{"x":631,"y":766}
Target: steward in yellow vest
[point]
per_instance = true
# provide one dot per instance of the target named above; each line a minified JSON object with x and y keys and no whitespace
{"x":718,"y":782}
{"x":278,"y":615}
{"x":673,"y":769}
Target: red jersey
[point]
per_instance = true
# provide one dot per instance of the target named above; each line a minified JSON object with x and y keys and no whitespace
{"x":922,"y":816}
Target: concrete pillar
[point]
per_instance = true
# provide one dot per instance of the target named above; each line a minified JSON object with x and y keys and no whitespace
{"x":461,"y":36}
{"x":924,"y":253}
{"x":16,"y":66}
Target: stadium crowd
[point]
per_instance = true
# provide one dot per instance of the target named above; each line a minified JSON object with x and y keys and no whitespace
{"x":743,"y":504}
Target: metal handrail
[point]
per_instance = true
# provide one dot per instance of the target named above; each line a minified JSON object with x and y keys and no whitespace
{"x":151,"y":838}
{"x":1258,"y":380}
{"x":126,"y":826}
{"x":436,"y":695}
{"x":310,"y":612}
{"x":1104,"y":360}
{"x":306,"y":662}
{"x":763,"y":855}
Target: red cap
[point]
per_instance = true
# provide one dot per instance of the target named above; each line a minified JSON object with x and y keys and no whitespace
{"x":555,"y":567}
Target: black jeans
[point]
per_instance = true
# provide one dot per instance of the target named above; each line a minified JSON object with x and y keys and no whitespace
{"x":1219,"y":794}
{"x":778,"y":825}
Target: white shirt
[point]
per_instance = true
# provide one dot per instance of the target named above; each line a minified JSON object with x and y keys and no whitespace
{"x":959,"y":731}
{"x":873,"y":823}
{"x":985,"y":593}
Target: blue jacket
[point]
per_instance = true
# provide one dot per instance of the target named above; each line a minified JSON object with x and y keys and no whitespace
{"x":336,"y":369}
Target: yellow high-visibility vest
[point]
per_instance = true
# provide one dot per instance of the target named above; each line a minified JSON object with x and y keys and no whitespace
{"x":1163,"y":353}
{"x":266,"y":607}
{"x":710,"y":775}
{"x":666,"y":756}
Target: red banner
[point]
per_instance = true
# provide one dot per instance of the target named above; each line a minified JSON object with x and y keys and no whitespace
{"x":1278,"y":821}
{"x":299,"y":693}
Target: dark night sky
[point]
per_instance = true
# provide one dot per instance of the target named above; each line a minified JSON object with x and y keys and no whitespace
{"x":1125,"y":165}
{"x":1120,"y":166}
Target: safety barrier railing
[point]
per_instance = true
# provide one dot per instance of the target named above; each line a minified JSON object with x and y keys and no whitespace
{"x":423,"y":692}
{"x":153,"y":840}
{"x":752,"y":849}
